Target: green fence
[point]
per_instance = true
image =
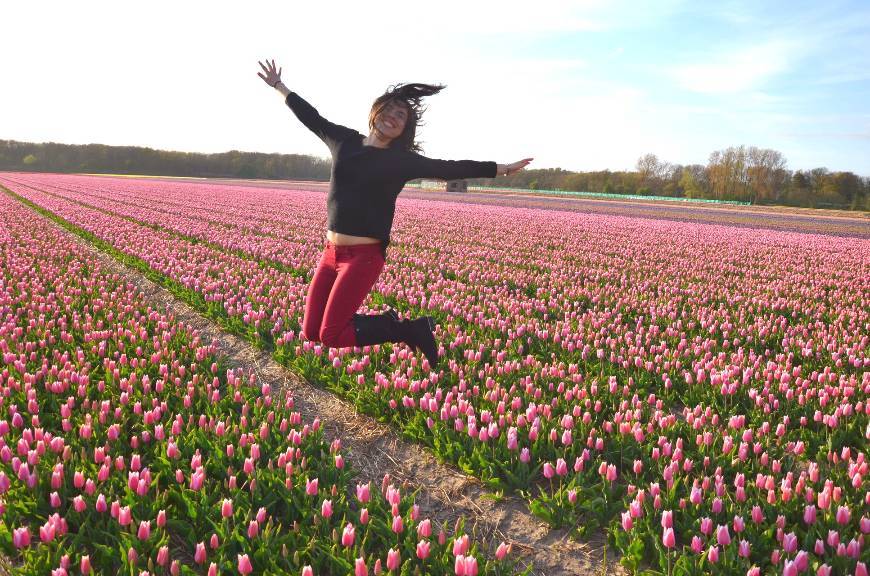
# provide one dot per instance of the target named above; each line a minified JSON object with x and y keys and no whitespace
{"x":572,"y":193}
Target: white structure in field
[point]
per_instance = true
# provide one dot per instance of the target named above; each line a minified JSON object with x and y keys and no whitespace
{"x":448,"y":185}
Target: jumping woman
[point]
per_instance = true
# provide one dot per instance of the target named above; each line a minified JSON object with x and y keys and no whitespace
{"x":368,"y":173}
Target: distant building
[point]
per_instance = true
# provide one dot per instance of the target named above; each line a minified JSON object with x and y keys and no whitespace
{"x":448,"y":185}
{"x":457,"y":186}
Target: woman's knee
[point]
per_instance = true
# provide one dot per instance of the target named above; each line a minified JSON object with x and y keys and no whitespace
{"x":329,"y":336}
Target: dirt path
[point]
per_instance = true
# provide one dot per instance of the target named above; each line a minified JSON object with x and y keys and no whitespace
{"x":374,"y":449}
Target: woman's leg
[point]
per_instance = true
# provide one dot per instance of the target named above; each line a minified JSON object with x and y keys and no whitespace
{"x":357,"y":268}
{"x":318,"y":294}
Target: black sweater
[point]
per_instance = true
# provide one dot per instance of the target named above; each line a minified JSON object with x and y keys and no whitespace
{"x":366,"y":180}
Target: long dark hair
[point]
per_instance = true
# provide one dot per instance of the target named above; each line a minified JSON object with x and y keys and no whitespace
{"x":410,"y":95}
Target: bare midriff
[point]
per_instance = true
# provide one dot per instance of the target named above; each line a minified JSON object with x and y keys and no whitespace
{"x":340,"y":239}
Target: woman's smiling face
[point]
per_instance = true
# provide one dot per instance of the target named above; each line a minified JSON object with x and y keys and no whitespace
{"x":392,"y":119}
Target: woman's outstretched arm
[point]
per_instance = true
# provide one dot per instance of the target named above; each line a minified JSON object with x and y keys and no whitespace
{"x":419,"y":166}
{"x":327,"y":131}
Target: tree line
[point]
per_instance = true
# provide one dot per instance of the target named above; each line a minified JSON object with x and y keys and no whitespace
{"x":750,"y":174}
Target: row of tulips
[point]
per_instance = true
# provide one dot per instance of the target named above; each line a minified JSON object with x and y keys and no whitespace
{"x":589,"y":408}
{"x":127,"y":446}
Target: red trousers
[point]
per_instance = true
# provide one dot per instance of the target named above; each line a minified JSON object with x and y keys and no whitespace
{"x":343,"y":279}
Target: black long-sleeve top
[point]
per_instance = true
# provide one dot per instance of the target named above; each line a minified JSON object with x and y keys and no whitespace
{"x":366,"y":180}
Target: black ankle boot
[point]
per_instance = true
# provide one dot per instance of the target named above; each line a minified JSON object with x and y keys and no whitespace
{"x":387,"y":327}
{"x":377,"y":328}
{"x":421,"y":333}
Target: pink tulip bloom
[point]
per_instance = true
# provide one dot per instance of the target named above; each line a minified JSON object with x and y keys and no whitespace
{"x":723,"y":538}
{"x":713,"y":554}
{"x":393,"y":559}
{"x":85,"y":564}
{"x":423,"y":549}
{"x":21,"y":537}
{"x":348,"y":535}
{"x":363,"y":492}
{"x":627,"y":522}
{"x":360,"y":568}
{"x":253,"y":529}
{"x":307,"y":571}
{"x":326,"y":508}
{"x":502,"y":551}
{"x":460,"y":545}
{"x":843,"y":515}
{"x":226,"y":508}
{"x":424,"y":530}
{"x":144,"y":530}
{"x":459,"y":565}
{"x":311,"y":487}
{"x":397,"y":524}
{"x":245,"y":564}
{"x":125,"y":517}
{"x":549,"y":471}
{"x":200,"y":555}
{"x":163,"y":555}
{"x":667,"y":519}
{"x":668,"y":538}
{"x":697,"y":544}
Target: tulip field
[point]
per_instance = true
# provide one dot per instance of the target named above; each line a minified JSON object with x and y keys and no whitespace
{"x":698,"y":393}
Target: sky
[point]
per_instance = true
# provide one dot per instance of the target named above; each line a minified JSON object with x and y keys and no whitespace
{"x":585,"y":85}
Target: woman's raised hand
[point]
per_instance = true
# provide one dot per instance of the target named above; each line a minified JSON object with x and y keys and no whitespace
{"x":272,"y":77}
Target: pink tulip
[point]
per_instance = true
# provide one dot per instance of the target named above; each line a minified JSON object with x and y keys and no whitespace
{"x":21,"y":537}
{"x":363,"y":493}
{"x":253,"y":529}
{"x":125,"y":517}
{"x":226,"y":508}
{"x":393,"y":559}
{"x":311,"y":487}
{"x":424,"y":530}
{"x":200,"y":555}
{"x":549,"y":471}
{"x":668,"y":538}
{"x":723,"y":538}
{"x":713,"y":554}
{"x":843,"y":515}
{"x":326,"y":508}
{"x":348,"y":535}
{"x":502,"y":551}
{"x":423,"y":549}
{"x":667,"y":519}
{"x":144,"y":530}
{"x":163,"y":555}
{"x":85,"y":565}
{"x":307,"y":571}
{"x":397,"y":524}
{"x":360,"y":568}
{"x":245,"y":566}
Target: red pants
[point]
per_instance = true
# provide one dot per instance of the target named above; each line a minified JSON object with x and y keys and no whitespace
{"x":340,"y":285}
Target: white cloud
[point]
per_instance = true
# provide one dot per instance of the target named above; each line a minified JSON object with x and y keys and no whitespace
{"x":736,"y":70}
